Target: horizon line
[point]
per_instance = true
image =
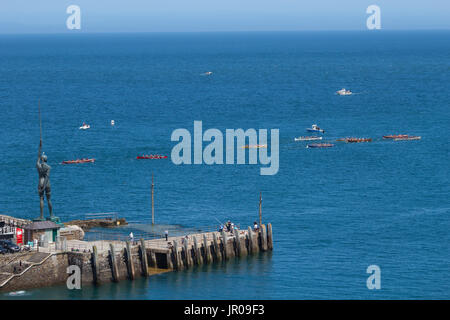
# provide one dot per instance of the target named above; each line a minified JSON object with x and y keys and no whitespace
{"x":219,"y":31}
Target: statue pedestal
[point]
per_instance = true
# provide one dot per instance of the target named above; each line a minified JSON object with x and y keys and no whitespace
{"x":38,"y":219}
{"x":54,"y":219}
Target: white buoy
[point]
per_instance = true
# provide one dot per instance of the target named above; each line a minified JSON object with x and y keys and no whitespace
{"x":112,"y":122}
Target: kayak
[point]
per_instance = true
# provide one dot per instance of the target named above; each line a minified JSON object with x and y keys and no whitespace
{"x":320,"y":145}
{"x":78,"y":161}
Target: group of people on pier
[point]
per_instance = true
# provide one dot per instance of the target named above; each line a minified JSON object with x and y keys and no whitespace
{"x":230,"y":226}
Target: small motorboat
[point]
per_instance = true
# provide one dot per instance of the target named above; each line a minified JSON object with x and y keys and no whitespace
{"x":320,"y":145}
{"x":84,"y":160}
{"x":151,"y":156}
{"x":408,"y":138}
{"x":85,"y":126}
{"x":208,"y":73}
{"x":112,"y":122}
{"x":311,"y":138}
{"x":315,"y":128}
{"x":344,"y":92}
{"x":395,"y":136}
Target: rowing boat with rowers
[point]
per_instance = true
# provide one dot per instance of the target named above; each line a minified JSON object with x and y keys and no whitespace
{"x":307,"y":138}
{"x":408,"y":138}
{"x":395,"y":136}
{"x":355,"y":140}
{"x":320,"y":145}
{"x":78,"y":161}
{"x":157,"y":156}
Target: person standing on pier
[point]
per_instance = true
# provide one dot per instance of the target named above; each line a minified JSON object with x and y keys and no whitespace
{"x":166,"y":233}
{"x":44,"y":181}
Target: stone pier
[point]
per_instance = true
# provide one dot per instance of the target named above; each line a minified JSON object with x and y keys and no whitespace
{"x":105,"y":261}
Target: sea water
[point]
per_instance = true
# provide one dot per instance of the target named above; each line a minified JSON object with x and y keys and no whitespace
{"x":334,"y":211}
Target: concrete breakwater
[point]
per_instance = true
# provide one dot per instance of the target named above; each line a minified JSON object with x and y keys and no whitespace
{"x":105,"y":261}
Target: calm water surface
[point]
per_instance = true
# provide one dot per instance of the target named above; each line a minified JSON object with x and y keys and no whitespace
{"x":334,"y":211}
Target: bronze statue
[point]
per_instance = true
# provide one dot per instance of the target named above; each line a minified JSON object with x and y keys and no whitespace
{"x":44,"y":181}
{"x":44,"y":175}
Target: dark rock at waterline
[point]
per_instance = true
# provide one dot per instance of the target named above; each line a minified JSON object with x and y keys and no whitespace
{"x":97,"y":223}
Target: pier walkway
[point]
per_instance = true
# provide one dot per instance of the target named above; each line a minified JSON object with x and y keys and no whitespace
{"x":113,"y":260}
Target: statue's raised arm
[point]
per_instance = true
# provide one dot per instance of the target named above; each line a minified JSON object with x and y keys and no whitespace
{"x":38,"y":163}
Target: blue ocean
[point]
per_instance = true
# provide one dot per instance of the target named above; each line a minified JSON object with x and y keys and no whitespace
{"x":334,"y":211}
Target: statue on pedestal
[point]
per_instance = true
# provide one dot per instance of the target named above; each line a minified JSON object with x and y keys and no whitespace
{"x":44,"y":181}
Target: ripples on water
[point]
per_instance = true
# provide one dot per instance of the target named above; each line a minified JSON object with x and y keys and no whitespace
{"x":334,"y":212}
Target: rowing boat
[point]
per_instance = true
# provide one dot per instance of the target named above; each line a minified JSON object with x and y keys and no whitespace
{"x":157,"y":156}
{"x":307,"y":138}
{"x":353,"y":140}
{"x":320,"y":145}
{"x":395,"y":136}
{"x":78,"y":161}
{"x":408,"y":138}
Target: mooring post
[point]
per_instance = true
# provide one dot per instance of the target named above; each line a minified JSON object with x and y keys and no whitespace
{"x":250,"y":240}
{"x":260,"y":208}
{"x":216,"y":248}
{"x":206,"y":250}
{"x":130,"y":263}
{"x":144,"y":261}
{"x":169,"y":259}
{"x":187,"y":253}
{"x":115,"y":274}
{"x":269,"y":237}
{"x":226,"y":254}
{"x":153,"y":259}
{"x":198,"y":253}
{"x":178,"y":263}
{"x":237,"y":242}
{"x":263,"y":237}
{"x":95,"y":264}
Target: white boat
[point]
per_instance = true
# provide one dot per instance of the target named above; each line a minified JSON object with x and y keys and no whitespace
{"x":85,"y":126}
{"x":112,"y":122}
{"x":307,"y":138}
{"x":315,"y":128}
{"x":208,"y":73}
{"x":344,"y":92}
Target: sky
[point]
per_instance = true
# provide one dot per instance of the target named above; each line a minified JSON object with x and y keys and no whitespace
{"x":49,"y":16}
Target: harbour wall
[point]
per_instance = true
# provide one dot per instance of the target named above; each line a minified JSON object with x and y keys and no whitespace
{"x":128,"y":261}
